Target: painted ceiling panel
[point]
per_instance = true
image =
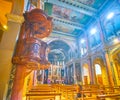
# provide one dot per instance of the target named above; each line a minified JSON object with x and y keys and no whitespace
{"x":67,"y":30}
{"x":59,"y":45}
{"x":58,"y":50}
{"x":112,"y":25}
{"x":93,"y":3}
{"x":77,"y":32}
{"x":63,"y":28}
{"x":71,"y":15}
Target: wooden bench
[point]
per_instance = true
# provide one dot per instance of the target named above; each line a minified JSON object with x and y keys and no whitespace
{"x":41,"y":91}
{"x":67,"y":91}
{"x":50,"y":96}
{"x":116,"y":96}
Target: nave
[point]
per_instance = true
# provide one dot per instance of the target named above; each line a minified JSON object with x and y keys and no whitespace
{"x":69,"y":92}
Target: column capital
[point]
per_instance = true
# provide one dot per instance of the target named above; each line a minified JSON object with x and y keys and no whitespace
{"x":106,"y":50}
{"x":15,"y":18}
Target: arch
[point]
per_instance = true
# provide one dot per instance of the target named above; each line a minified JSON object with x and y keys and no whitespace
{"x":100,"y":78}
{"x":58,"y":39}
{"x":56,"y":54}
{"x":86,"y":74}
{"x":115,"y":50}
{"x":61,"y":46}
{"x":115,"y":56}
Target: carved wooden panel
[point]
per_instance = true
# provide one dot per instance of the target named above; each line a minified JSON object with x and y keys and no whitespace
{"x":30,"y":50}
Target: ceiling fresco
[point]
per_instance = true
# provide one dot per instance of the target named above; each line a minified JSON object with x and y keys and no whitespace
{"x":66,"y":30}
{"x":58,"y":44}
{"x":58,"y":50}
{"x":56,"y":55}
{"x":92,"y":3}
{"x":70,"y":21}
{"x":73,"y":18}
{"x":70,"y":15}
{"x":112,"y":26}
{"x":63,"y":28}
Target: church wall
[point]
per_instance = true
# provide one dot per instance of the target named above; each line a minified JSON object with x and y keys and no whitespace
{"x":6,"y":51}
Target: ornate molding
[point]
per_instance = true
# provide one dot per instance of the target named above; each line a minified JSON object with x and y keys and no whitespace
{"x":15,"y":18}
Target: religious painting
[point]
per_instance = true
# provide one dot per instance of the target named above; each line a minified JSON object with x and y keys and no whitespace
{"x":93,"y":3}
{"x":70,"y":74}
{"x":112,"y":24}
{"x":63,"y":28}
{"x":62,"y":72}
{"x":61,"y":12}
{"x":70,"y":15}
{"x":67,"y":30}
{"x":78,"y":72}
{"x":94,"y":38}
{"x":77,"y":32}
{"x":83,"y":45}
{"x":112,"y":27}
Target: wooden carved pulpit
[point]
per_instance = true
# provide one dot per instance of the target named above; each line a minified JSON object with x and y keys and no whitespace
{"x":30,"y":51}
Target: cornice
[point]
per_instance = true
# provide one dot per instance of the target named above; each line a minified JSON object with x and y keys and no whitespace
{"x":15,"y":18}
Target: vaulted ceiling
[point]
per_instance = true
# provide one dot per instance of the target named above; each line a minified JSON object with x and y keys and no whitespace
{"x":72,"y":17}
{"x":58,"y":50}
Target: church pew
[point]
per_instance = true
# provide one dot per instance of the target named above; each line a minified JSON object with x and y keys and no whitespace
{"x":42,"y":88}
{"x":104,"y":96}
{"x":111,"y":89}
{"x":67,"y":91}
{"x":50,"y":96}
{"x":41,"y":91}
{"x":100,"y":93}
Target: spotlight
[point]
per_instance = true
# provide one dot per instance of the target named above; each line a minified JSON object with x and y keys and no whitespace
{"x":93,"y":31}
{"x":110,"y":15}
{"x":82,"y":41}
{"x":5,"y":27}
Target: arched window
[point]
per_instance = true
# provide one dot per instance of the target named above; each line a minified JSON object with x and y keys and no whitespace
{"x":97,"y":69}
{"x":85,"y":71}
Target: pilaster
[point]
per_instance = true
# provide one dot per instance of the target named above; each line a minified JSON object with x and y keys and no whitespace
{"x":74,"y":69}
{"x":7,"y":45}
{"x":109,"y":70}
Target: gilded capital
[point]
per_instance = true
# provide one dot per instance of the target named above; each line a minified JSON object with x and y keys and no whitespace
{"x":15,"y":18}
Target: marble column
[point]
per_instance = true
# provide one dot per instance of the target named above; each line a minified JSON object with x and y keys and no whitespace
{"x":17,"y":89}
{"x":91,"y":71}
{"x":7,"y":45}
{"x":74,"y":70}
{"x":109,"y":71}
